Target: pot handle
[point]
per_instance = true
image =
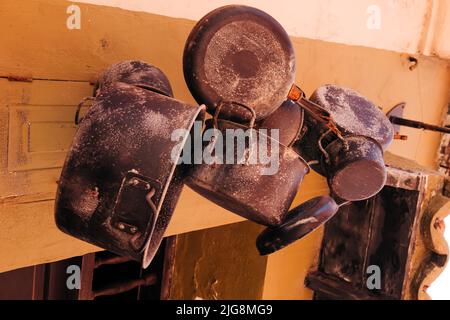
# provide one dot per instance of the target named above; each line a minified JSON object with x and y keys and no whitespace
{"x":80,"y":105}
{"x":219,"y":108}
{"x":300,"y":221}
{"x":314,"y":110}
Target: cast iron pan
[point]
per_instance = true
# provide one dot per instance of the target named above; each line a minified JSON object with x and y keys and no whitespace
{"x":240,"y":54}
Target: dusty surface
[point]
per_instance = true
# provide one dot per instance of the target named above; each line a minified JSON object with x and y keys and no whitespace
{"x":240,"y":54}
{"x":137,"y":73}
{"x":253,"y":79}
{"x":355,"y":113}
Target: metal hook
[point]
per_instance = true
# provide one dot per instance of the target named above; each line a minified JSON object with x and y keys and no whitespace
{"x":79,"y":106}
{"x":251,"y":123}
{"x":322,"y":149}
{"x":315,"y":111}
{"x":219,"y":108}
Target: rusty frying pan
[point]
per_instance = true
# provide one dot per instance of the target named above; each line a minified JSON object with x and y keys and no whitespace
{"x":242,"y":54}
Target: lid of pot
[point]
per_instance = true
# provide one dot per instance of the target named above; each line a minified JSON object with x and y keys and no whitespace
{"x":137,"y":73}
{"x":300,"y":221}
{"x":241,"y":54}
{"x":354,"y":113}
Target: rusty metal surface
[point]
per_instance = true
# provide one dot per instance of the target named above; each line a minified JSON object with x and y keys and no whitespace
{"x":238,"y":53}
{"x":244,"y":190}
{"x":352,"y":113}
{"x":116,"y":185}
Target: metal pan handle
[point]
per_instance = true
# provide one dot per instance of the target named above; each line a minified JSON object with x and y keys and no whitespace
{"x":80,"y":105}
{"x":300,"y":221}
{"x":222,"y":103}
{"x":314,"y":110}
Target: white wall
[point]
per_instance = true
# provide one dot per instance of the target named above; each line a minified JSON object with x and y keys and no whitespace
{"x":440,"y":289}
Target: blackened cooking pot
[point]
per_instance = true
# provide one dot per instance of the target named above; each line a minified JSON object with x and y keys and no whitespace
{"x":247,"y":186}
{"x":353,"y":160}
{"x":120,"y":181}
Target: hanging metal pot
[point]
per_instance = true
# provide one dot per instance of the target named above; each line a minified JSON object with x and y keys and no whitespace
{"x":353,"y":160}
{"x":355,"y":167}
{"x":247,"y":188}
{"x":120,"y":182}
{"x":242,"y":54}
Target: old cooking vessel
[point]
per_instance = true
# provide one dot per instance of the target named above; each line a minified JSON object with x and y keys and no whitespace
{"x":352,"y":161}
{"x":242,"y":54}
{"x":248,"y":188}
{"x":119,"y":184}
{"x":351,"y":157}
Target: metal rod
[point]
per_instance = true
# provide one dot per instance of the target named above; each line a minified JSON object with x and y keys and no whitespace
{"x":100,"y":261}
{"x":113,"y":289}
{"x":418,"y":124}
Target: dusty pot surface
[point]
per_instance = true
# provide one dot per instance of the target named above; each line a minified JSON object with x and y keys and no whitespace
{"x":288,"y":119}
{"x":138,"y":73}
{"x":356,"y":169}
{"x":241,"y":54}
{"x":354,"y":114}
{"x":250,"y":189}
{"x":353,"y":162}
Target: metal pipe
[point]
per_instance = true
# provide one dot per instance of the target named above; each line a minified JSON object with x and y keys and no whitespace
{"x":418,"y":124}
